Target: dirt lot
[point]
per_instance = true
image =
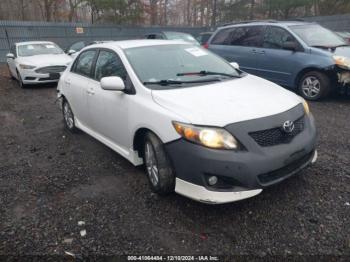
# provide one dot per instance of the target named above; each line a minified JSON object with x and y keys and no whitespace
{"x":51,"y":179}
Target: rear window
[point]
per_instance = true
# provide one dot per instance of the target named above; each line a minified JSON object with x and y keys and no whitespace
{"x":83,"y":64}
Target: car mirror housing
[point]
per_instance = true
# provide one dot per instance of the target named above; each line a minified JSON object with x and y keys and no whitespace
{"x":10,"y":56}
{"x":112,"y":83}
{"x":71,"y":51}
{"x":235,"y":65}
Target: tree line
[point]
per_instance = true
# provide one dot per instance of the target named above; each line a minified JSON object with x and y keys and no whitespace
{"x":166,"y":12}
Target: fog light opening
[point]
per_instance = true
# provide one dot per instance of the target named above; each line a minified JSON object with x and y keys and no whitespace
{"x":212,"y":180}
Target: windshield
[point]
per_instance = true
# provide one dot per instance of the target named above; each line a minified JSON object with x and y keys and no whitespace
{"x":316,"y":35}
{"x":168,"y":62}
{"x":39,"y":49}
{"x":180,"y":36}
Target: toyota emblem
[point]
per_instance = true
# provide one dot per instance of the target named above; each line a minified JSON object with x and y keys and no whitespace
{"x":288,"y":126}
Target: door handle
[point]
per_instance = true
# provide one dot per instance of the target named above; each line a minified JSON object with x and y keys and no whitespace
{"x":255,"y":52}
{"x":90,"y":91}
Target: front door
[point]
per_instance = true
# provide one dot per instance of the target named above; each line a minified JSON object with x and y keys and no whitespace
{"x":280,"y":65}
{"x":109,"y":109}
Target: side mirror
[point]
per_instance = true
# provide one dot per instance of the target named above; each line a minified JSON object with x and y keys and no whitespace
{"x":71,"y":51}
{"x":290,"y":45}
{"x":10,"y":56}
{"x":112,"y":83}
{"x":235,"y":65}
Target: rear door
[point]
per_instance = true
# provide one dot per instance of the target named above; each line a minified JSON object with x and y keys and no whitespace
{"x":76,"y":85}
{"x":241,"y":44}
{"x":281,"y":65}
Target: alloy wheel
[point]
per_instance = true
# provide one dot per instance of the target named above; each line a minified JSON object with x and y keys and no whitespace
{"x":151,"y":164}
{"x":311,"y":87}
{"x":68,"y":115}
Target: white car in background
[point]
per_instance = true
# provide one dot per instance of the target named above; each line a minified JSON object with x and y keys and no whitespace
{"x":202,"y":127}
{"x":36,"y":62}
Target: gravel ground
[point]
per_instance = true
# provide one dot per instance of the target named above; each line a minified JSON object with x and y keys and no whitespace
{"x":51,"y":179}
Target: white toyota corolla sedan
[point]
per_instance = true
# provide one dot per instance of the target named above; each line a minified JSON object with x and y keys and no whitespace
{"x":202,"y":127}
{"x":36,"y":62}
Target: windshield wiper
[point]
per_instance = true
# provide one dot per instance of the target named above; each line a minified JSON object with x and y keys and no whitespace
{"x":207,"y":73}
{"x":176,"y":82}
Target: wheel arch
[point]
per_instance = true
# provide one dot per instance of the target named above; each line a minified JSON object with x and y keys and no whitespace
{"x":306,"y":70}
{"x":138,"y":139}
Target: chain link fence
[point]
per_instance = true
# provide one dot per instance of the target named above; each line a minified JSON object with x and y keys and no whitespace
{"x":64,"y":34}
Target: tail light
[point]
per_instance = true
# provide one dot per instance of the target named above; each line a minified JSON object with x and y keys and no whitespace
{"x":206,"y":45}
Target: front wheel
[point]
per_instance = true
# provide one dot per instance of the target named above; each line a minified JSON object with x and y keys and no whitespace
{"x":20,"y":81}
{"x":10,"y":73}
{"x":160,"y":173}
{"x":314,"y":86}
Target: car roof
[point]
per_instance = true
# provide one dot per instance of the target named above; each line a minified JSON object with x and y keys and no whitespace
{"x":138,"y":43}
{"x":272,"y":22}
{"x":34,"y":42}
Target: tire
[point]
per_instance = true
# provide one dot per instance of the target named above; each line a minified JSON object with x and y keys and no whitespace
{"x":160,"y":174}
{"x":68,"y":117}
{"x":12,"y":77}
{"x":20,"y":82}
{"x":314,"y":86}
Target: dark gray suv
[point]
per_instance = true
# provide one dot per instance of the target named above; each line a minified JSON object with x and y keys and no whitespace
{"x":302,"y":56}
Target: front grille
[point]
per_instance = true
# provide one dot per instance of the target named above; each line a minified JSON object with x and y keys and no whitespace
{"x":269,"y":178}
{"x":50,"y":69}
{"x":276,"y":136}
{"x":52,"y":76}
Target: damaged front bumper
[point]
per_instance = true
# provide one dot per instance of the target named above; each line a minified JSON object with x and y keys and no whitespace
{"x":340,"y":78}
{"x":343,"y":78}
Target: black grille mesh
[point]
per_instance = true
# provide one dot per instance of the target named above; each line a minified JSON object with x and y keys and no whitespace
{"x":276,"y":136}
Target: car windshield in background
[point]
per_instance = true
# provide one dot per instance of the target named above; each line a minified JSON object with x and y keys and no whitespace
{"x":318,"y":36}
{"x":39,"y":49}
{"x":180,"y":36}
{"x":180,"y":63}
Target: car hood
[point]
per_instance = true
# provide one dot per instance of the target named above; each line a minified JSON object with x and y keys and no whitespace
{"x":45,"y":60}
{"x":342,"y":51}
{"x":227,"y":102}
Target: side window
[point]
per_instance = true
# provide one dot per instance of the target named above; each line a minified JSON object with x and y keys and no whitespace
{"x":77,"y":46}
{"x":275,"y":37}
{"x":84,"y":63}
{"x":223,"y":37}
{"x":248,"y":36}
{"x":109,"y":64}
{"x":152,"y":36}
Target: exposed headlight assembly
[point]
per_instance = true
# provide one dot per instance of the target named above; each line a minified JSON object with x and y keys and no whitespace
{"x":22,"y":66}
{"x":212,"y":137}
{"x":342,"y":61}
{"x":306,"y":107}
